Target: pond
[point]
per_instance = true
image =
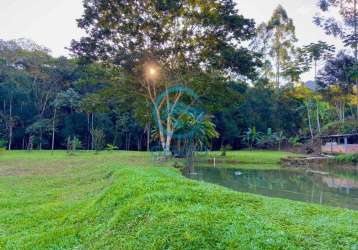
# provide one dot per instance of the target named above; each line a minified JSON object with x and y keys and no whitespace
{"x":338,"y":188}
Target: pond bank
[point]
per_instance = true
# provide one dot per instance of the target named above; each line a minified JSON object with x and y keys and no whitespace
{"x":256,"y":159}
{"x":337,"y":188}
{"x":318,"y":162}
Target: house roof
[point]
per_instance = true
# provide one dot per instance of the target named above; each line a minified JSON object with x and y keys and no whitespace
{"x":339,"y":135}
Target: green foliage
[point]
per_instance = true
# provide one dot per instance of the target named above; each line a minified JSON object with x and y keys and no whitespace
{"x":280,"y":138}
{"x":341,"y":127}
{"x":318,"y":51}
{"x":111,"y":147}
{"x":344,"y":26}
{"x":62,"y":97}
{"x":337,"y":71}
{"x":99,"y":139}
{"x":347,"y":159}
{"x":76,"y":144}
{"x":73,"y":145}
{"x":67,"y":99}
{"x":41,"y":126}
{"x":128,"y":204}
{"x":199,"y":129}
{"x":295,"y":141}
{"x":251,"y":137}
{"x":3,"y":143}
{"x":276,"y":40}
{"x":267,"y":140}
{"x":159,"y":29}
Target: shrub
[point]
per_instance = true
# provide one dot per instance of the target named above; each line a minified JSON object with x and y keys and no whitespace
{"x":3,"y":143}
{"x":73,"y":144}
{"x":2,"y":146}
{"x":295,"y":141}
{"x":98,"y":139}
{"x":349,"y":158}
{"x":267,"y":140}
{"x":111,"y":147}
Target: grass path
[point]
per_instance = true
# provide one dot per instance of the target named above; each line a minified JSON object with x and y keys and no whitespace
{"x":121,"y":200}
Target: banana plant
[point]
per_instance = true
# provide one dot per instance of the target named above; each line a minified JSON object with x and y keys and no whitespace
{"x":251,"y":137}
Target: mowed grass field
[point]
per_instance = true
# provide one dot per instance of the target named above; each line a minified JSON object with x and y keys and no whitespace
{"x":123,"y":200}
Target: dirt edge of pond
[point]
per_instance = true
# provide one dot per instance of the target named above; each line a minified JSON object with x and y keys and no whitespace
{"x":315,"y":162}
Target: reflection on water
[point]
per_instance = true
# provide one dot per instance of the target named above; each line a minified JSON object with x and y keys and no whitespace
{"x":336,"y":188}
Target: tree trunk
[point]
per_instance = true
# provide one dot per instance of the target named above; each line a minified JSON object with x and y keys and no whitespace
{"x":88,"y":131}
{"x":92,"y":129}
{"x":343,"y":112}
{"x":125,"y":141}
{"x":10,"y":125}
{"x":318,"y":117}
{"x":317,"y":103}
{"x":40,"y":138}
{"x":148,"y":137}
{"x":170,"y":133}
{"x":278,"y":69}
{"x":309,"y":120}
{"x":169,"y":126}
{"x":53,"y":130}
{"x":139,"y":142}
{"x":161,"y":130}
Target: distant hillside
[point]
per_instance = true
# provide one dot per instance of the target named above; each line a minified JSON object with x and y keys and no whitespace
{"x":311,"y":85}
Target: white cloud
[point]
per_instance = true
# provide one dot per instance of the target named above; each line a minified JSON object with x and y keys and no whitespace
{"x":51,"y":23}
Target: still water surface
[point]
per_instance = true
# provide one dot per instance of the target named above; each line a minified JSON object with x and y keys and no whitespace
{"x":337,"y":188}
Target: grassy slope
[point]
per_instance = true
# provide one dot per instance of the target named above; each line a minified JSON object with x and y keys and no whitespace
{"x":106,"y":201}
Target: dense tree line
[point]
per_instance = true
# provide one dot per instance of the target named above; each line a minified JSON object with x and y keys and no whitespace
{"x":134,"y":50}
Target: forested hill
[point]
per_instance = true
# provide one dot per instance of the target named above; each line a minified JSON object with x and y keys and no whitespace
{"x":247,"y":78}
{"x":40,"y":93}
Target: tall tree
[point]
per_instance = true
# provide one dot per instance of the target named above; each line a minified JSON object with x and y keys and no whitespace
{"x":337,"y":75}
{"x":337,"y":71}
{"x":157,"y":43}
{"x":315,"y":52}
{"x":296,"y":66}
{"x":13,"y":82}
{"x":345,"y":28}
{"x":280,"y":37}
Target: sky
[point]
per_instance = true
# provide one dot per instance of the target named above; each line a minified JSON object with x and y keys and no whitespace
{"x":52,"y":23}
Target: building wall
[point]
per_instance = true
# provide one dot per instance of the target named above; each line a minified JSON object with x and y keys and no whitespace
{"x":340,"y":149}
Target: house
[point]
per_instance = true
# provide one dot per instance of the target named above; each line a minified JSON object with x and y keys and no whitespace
{"x":340,"y":144}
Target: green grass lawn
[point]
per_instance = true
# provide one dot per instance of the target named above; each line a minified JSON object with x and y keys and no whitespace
{"x":122,"y":200}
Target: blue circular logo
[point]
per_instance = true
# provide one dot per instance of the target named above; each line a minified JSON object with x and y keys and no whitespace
{"x":185,"y":119}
